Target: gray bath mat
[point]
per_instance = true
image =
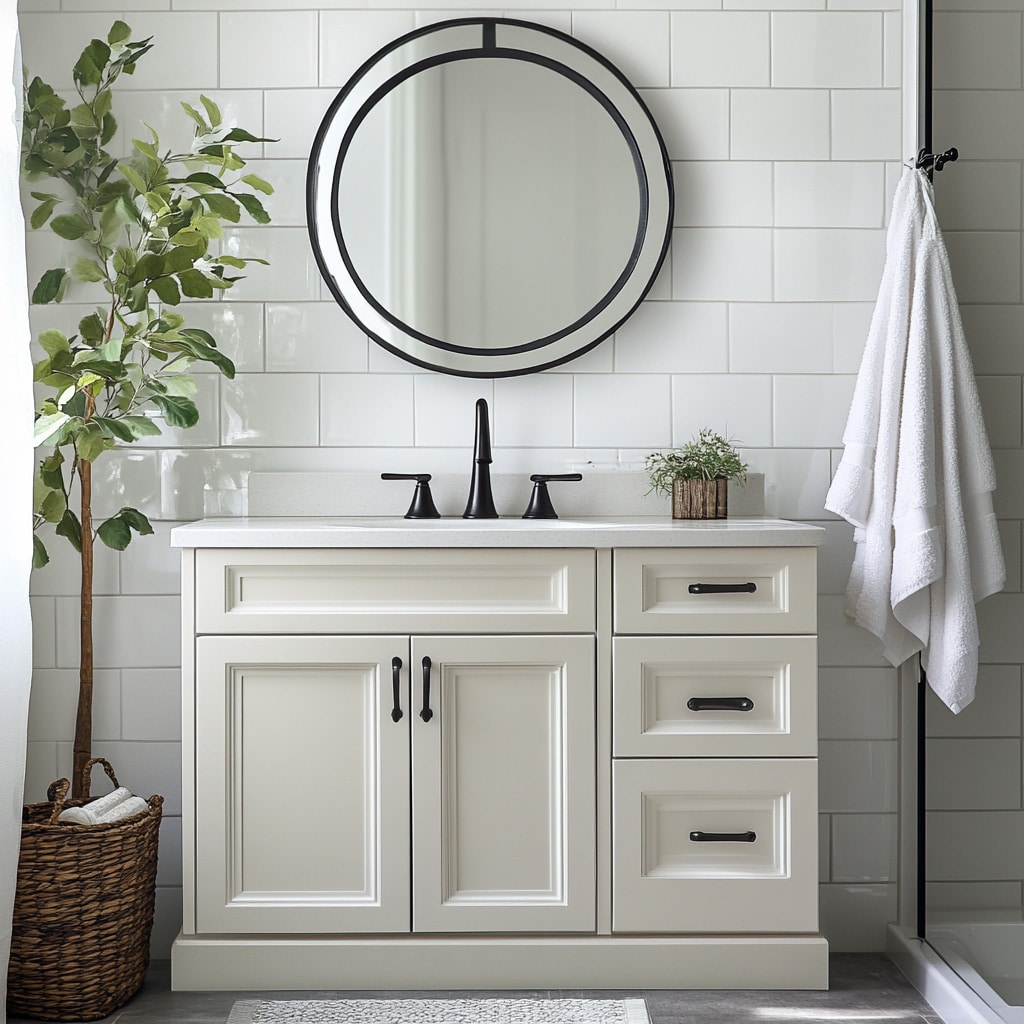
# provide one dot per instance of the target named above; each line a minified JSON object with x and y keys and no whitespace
{"x":439,"y":1011}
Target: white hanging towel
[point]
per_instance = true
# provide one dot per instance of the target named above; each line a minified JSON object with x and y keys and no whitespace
{"x":916,"y":477}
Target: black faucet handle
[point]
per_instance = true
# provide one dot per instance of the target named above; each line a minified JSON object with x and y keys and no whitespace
{"x":540,"y":506}
{"x":422,"y":506}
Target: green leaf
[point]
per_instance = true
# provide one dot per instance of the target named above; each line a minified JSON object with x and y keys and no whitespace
{"x":166,"y":290}
{"x":133,"y":177}
{"x":110,"y":350}
{"x":231,"y":261}
{"x":150,"y":265}
{"x":37,"y":90}
{"x":254,"y":208}
{"x":180,"y":384}
{"x":88,"y":70}
{"x":256,"y":182}
{"x":125,"y":211}
{"x":223,"y":207}
{"x":89,"y":380}
{"x":39,"y":555}
{"x":124,"y":260}
{"x":109,"y":129}
{"x":115,"y":533}
{"x":119,"y":33}
{"x":200,"y":121}
{"x":91,"y":442}
{"x":195,"y":285}
{"x":53,"y":341}
{"x":53,"y":506}
{"x":91,"y":328}
{"x":70,"y":226}
{"x":41,"y":214}
{"x":141,"y":426}
{"x":50,"y":472}
{"x":212,"y":110}
{"x":207,"y":226}
{"x":83,"y":120}
{"x":109,"y":191}
{"x":71,"y":528}
{"x":205,"y":348}
{"x":146,"y":149}
{"x":177,"y":411}
{"x":137,"y":521}
{"x":95,"y":363}
{"x":50,"y":287}
{"x":85,"y":269}
{"x":115,"y":429}
{"x":199,"y":335}
{"x":241,"y":135}
{"x":106,"y":172}
{"x":190,"y":238}
{"x":47,"y":426}
{"x":178,"y":258}
{"x":204,"y":178}
{"x":110,"y":223}
{"x":171,"y":319}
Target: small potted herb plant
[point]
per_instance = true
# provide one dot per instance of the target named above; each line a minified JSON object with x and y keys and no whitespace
{"x":697,"y":475}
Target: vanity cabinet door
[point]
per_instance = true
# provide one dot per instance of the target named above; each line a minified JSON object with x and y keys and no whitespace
{"x":504,"y":784}
{"x":302,"y":779}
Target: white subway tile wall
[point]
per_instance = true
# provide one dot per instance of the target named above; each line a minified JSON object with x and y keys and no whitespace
{"x":974,"y":759}
{"x":782,"y":119}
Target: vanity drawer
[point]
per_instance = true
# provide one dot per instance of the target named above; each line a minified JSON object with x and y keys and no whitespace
{"x":737,"y":696}
{"x":394,"y":590}
{"x":715,"y":590}
{"x":717,"y":845}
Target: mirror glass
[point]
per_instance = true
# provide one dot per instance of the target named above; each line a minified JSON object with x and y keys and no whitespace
{"x":487,"y":197}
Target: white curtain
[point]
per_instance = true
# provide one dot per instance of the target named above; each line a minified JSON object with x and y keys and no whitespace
{"x":15,"y":483}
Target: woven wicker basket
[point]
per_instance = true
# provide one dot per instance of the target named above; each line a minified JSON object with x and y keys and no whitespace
{"x":83,"y":909}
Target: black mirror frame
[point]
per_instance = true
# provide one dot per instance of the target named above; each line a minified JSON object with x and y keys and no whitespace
{"x":362,"y":92}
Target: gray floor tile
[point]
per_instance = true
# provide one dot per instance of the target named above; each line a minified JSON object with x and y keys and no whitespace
{"x":868,"y":982}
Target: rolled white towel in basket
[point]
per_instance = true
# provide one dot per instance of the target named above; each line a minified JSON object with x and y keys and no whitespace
{"x":112,"y":807}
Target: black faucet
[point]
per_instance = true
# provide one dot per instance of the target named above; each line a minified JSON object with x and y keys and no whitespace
{"x":481,"y":501}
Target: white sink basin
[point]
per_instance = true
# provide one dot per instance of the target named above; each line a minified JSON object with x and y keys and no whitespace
{"x":505,"y":525}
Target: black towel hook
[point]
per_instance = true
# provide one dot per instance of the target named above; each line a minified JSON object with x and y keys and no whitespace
{"x":935,"y":161}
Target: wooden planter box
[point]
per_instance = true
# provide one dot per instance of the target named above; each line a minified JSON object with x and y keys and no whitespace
{"x":700,"y":499}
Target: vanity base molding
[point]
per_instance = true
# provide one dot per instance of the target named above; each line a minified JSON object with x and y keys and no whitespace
{"x":481,"y":963}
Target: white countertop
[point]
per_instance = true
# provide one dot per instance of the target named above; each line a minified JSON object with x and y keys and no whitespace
{"x":576,"y":532}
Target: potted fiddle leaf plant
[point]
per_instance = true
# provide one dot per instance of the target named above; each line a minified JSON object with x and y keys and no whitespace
{"x":697,"y":475}
{"x":145,"y":228}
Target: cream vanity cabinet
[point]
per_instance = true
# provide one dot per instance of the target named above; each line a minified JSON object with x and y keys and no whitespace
{"x":355,"y":782}
{"x":415,"y":765}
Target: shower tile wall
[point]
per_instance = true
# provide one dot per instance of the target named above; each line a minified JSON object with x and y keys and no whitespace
{"x":783,"y":123}
{"x":975,"y":817}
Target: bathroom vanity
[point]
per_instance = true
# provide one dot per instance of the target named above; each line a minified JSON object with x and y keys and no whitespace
{"x":499,"y":754}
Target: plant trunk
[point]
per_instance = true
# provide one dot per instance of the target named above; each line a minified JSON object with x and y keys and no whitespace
{"x":83,"y":721}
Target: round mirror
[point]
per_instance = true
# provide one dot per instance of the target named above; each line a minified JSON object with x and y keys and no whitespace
{"x":488,"y":197}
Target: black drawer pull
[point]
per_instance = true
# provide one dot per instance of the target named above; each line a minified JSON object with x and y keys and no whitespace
{"x":723,"y":837}
{"x":722,"y":588}
{"x":396,"y":689}
{"x":720,"y":704}
{"x":426,"y":713}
